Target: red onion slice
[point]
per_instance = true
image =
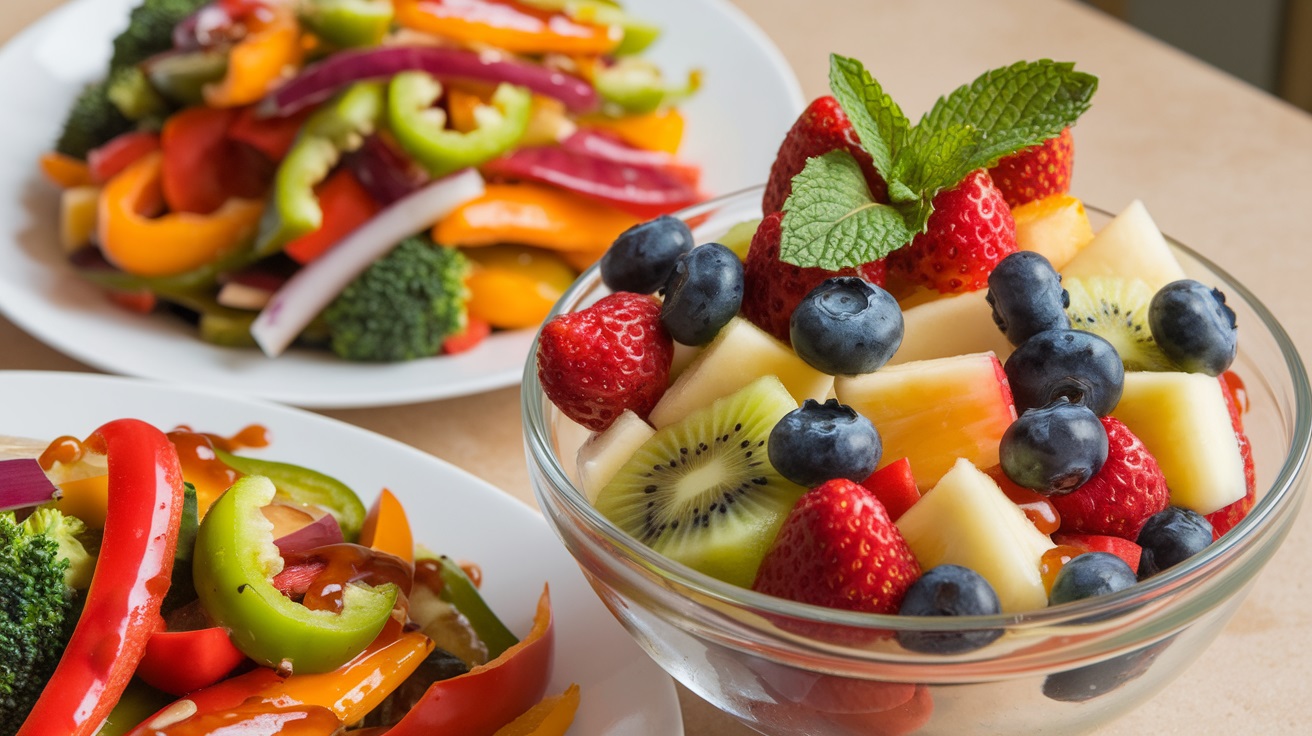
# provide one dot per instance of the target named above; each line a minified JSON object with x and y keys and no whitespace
{"x":322,"y":531}
{"x":319,"y":81}
{"x":23,"y":484}
{"x":386,"y":173}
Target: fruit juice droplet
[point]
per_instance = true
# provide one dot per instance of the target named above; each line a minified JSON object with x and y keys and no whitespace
{"x":1238,"y":391}
{"x":1038,"y":509}
{"x":1054,"y":560}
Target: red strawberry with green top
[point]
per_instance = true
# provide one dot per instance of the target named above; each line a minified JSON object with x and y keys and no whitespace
{"x":1036,"y":172}
{"x":612,"y":356}
{"x":772,"y":289}
{"x":1121,"y":496}
{"x":970,"y":231}
{"x":1224,"y":519}
{"x":839,"y":549}
{"x":822,"y":127}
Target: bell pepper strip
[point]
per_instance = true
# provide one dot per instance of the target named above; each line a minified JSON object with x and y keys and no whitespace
{"x":194,"y":142}
{"x":552,"y":716}
{"x":533,"y":214}
{"x":64,"y":171}
{"x":78,"y":208}
{"x":236,"y":561}
{"x":476,"y":331}
{"x":387,"y":529}
{"x":348,"y":23}
{"x":636,"y":86}
{"x":119,"y":153}
{"x":179,"y":662}
{"x":175,"y":243}
{"x":121,"y":608}
{"x":181,"y":590}
{"x":512,"y":286}
{"x":638,"y":33}
{"x":337,"y":127}
{"x":346,"y":205}
{"x":419,"y":127}
{"x":661,"y":130}
{"x":306,"y":487}
{"x":504,"y":25}
{"x":454,"y":586}
{"x":181,"y":76}
{"x":491,"y":695}
{"x":87,"y":499}
{"x":272,"y":137}
{"x":272,"y":46}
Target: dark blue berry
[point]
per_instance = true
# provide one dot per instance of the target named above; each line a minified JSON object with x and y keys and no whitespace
{"x":1170,"y":537}
{"x":1079,"y":365}
{"x":1054,"y":449}
{"x":703,"y":293}
{"x":949,"y":590}
{"x":1027,"y":297}
{"x":1085,"y":683}
{"x":1090,"y":575}
{"x":640,"y":259}
{"x":820,"y":442}
{"x":846,"y":326}
{"x":1193,"y":326}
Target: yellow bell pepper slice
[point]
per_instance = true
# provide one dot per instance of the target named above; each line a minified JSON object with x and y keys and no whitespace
{"x":258,"y":61}
{"x":552,"y":716}
{"x":661,"y":130}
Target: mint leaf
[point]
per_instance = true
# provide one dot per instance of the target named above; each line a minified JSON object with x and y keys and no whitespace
{"x":944,"y":159}
{"x":831,"y":220}
{"x":1012,"y":107}
{"x":876,"y":118}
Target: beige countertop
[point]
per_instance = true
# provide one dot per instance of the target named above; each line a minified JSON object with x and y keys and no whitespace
{"x":1221,"y":166}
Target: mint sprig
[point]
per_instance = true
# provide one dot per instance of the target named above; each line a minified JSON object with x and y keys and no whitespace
{"x":832,"y":221}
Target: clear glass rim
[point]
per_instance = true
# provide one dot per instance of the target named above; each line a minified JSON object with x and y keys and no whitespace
{"x":1246,"y":535}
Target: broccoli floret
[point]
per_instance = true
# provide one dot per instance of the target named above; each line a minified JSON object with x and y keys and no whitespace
{"x":37,"y":607}
{"x":93,"y":120}
{"x":133,"y":95}
{"x":403,"y":306}
{"x":149,"y":31}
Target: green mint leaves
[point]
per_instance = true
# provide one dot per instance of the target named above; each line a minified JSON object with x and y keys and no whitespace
{"x":831,"y":220}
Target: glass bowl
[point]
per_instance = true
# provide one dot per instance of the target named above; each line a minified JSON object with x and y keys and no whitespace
{"x":789,"y":668}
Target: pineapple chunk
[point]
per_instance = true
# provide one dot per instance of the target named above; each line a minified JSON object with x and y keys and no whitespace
{"x":77,"y":216}
{"x":967,"y":520}
{"x":1183,"y":421}
{"x":933,"y":412}
{"x":1056,"y":227}
{"x":1130,"y":246}
{"x":605,"y":453}
{"x":740,"y":354}
{"x":950,"y":325}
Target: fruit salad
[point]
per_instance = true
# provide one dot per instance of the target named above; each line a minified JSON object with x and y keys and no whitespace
{"x":174,"y":584}
{"x":921,"y":384}
{"x":387,"y":179}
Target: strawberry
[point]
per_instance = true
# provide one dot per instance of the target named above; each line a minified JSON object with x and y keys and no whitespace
{"x":1224,"y":519}
{"x":1121,"y":496}
{"x":1122,"y":548}
{"x":894,"y":486}
{"x":612,"y":356}
{"x":970,"y":231}
{"x":772,"y":289}
{"x":839,"y":549}
{"x":1037,"y":171}
{"x":822,"y":127}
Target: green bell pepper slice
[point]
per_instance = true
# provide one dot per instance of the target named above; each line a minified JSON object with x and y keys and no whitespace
{"x":636,"y":86}
{"x":337,"y":127}
{"x":638,"y":33}
{"x":306,"y":487}
{"x":420,"y":128}
{"x":349,"y":23}
{"x":233,"y":570}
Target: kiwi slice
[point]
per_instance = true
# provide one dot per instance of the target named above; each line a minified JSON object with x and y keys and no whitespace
{"x":702,"y":490}
{"x":739,"y":237}
{"x":1116,"y":309}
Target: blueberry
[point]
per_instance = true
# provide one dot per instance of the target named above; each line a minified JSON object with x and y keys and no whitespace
{"x":1055,"y":449}
{"x":640,"y":259}
{"x":1192,"y":324}
{"x":703,"y":293}
{"x":949,"y":590}
{"x":1170,"y":537}
{"x":1089,"y":575}
{"x":1027,"y":297}
{"x":821,"y":442}
{"x":1085,"y":683}
{"x":846,"y":326}
{"x":1078,"y":365}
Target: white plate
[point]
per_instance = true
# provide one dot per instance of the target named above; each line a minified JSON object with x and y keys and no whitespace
{"x":749,"y":92}
{"x":452,"y":512}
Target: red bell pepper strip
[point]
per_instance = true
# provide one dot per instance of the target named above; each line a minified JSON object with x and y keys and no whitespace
{"x":179,"y":662}
{"x":271,"y":136}
{"x":131,"y":578}
{"x":119,"y":153}
{"x":193,"y":142}
{"x":346,"y":205}
{"x":489,"y":696}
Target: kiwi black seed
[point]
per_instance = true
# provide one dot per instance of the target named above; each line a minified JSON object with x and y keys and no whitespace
{"x":1116,"y":309}
{"x":702,"y":490}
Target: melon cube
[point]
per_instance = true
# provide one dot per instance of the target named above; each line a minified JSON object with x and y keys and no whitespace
{"x":739,"y":354}
{"x":950,"y":325}
{"x":1130,"y":246}
{"x":606,"y":452}
{"x":1183,"y":420}
{"x":1056,"y":227}
{"x":967,"y":520}
{"x":934,"y":412}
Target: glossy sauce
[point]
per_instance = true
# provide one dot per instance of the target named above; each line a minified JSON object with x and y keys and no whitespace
{"x":201,"y":465}
{"x":346,"y":563}
{"x":257,"y":717}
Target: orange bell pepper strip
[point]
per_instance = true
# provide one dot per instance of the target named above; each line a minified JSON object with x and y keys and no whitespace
{"x":174,"y":243}
{"x":486,"y":698}
{"x":533,"y":214}
{"x":512,"y":286}
{"x":507,"y":26}
{"x":65,"y":171}
{"x":661,"y":130}
{"x":346,"y":206}
{"x":550,"y":717}
{"x":259,"y":60}
{"x":387,"y":529}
